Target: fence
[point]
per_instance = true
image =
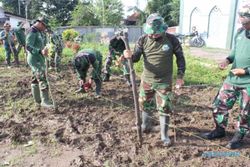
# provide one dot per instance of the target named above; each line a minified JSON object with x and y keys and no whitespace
{"x":105,"y":33}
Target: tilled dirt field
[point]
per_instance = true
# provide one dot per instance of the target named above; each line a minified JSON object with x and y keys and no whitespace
{"x":86,"y":131}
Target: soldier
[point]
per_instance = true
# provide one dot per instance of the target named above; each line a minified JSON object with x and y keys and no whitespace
{"x":55,"y":50}
{"x":236,"y":86}
{"x":116,"y":48}
{"x":20,"y":36}
{"x":81,"y":63}
{"x":35,"y":44}
{"x":8,"y":41}
{"x":157,"y":48}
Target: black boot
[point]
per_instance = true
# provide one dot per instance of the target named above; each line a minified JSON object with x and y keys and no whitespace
{"x":164,"y":122}
{"x":106,"y":77}
{"x":146,"y":122}
{"x":218,"y":132}
{"x":236,"y":141}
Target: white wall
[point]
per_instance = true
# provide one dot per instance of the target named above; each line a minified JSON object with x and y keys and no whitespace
{"x":219,"y":20}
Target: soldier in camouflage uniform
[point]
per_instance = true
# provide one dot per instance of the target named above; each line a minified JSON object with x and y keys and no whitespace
{"x":81,"y":63}
{"x":236,"y":86}
{"x":8,"y":42}
{"x":55,"y":50}
{"x":157,"y":48}
{"x":116,"y":48}
{"x":37,"y":51}
{"x":20,"y":36}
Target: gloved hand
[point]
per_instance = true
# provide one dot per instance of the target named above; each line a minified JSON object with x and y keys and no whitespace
{"x":88,"y":85}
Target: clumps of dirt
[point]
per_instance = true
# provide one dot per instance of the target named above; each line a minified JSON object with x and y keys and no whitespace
{"x":20,"y":133}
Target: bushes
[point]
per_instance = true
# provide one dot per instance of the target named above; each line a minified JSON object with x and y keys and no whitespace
{"x":69,"y":35}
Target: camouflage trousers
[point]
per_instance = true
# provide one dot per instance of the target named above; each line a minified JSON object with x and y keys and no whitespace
{"x":108,"y":64}
{"x":156,"y":96}
{"x":225,"y":100}
{"x":8,"y":52}
{"x":39,"y":75}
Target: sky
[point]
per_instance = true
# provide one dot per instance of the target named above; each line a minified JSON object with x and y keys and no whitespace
{"x":128,"y":3}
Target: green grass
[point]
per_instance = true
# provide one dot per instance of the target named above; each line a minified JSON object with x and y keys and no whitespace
{"x":198,"y":70}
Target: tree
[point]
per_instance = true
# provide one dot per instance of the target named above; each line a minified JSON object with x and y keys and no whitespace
{"x":59,"y":10}
{"x":13,"y":6}
{"x":83,"y":14}
{"x":99,"y":12}
{"x":168,"y":9}
{"x":110,"y":12}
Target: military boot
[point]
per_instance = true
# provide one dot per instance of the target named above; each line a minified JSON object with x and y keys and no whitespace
{"x":218,"y":132}
{"x":236,"y":141}
{"x":164,"y":122}
{"x":146,"y":122}
{"x":45,"y":99}
{"x":106,"y":77}
{"x":127,"y":78}
{"x":36,"y":93}
{"x":98,"y":84}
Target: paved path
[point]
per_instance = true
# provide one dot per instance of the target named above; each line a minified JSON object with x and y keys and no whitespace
{"x":210,"y":53}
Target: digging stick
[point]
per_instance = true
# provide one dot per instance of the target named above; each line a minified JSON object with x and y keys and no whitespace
{"x":135,"y":94}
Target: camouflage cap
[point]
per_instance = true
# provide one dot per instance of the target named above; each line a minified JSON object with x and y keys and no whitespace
{"x":244,"y":11}
{"x":154,"y":24}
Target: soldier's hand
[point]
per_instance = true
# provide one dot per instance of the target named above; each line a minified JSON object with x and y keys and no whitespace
{"x":45,"y":52}
{"x":238,"y":71}
{"x":81,"y":82}
{"x":224,"y":64}
{"x":127,"y":54}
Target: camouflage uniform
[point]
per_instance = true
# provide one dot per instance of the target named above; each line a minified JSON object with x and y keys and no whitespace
{"x":20,"y":36}
{"x":55,"y":51}
{"x":8,"y":42}
{"x":235,"y":87}
{"x":156,"y":79}
{"x":116,"y":48}
{"x":81,"y":63}
{"x":35,"y":43}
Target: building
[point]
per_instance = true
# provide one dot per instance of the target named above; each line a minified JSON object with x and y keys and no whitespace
{"x":13,"y":19}
{"x":215,"y":20}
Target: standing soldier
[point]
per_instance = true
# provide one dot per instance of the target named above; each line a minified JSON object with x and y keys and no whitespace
{"x":8,"y":41}
{"x":236,"y":86}
{"x":35,"y":44}
{"x":20,"y":36}
{"x":55,"y":50}
{"x":81,"y":63}
{"x":116,"y":48}
{"x":157,"y":48}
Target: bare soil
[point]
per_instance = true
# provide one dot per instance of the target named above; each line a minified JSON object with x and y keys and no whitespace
{"x":90,"y":132}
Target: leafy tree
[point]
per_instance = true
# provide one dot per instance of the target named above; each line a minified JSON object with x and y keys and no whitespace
{"x":60,"y":10}
{"x":13,"y":7}
{"x":168,"y":9}
{"x":83,"y":14}
{"x":98,"y":12}
{"x":110,"y":12}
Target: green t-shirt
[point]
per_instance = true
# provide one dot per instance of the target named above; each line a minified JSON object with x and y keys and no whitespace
{"x":240,"y":58}
{"x":158,"y":58}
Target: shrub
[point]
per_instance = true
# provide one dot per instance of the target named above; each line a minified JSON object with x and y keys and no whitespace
{"x":69,"y":35}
